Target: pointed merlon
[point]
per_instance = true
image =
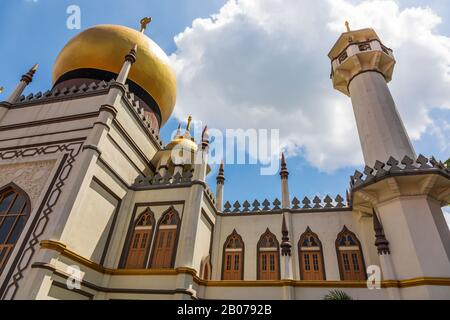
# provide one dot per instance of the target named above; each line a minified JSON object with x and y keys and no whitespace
{"x":28,"y":77}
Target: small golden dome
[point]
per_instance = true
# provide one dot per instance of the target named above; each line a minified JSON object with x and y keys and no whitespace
{"x":104,"y":47}
{"x":185,"y":142}
{"x":182,"y":143}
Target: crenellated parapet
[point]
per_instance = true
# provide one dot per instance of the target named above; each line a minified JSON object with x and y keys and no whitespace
{"x":393,"y":167}
{"x":307,"y":204}
{"x":167,"y":179}
{"x":95,"y":88}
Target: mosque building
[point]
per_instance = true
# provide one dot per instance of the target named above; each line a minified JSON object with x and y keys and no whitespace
{"x":93,"y":206}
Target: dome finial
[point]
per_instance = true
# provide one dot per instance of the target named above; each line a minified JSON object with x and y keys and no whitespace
{"x":188,"y":127}
{"x":347,"y":25}
{"x":144,"y":23}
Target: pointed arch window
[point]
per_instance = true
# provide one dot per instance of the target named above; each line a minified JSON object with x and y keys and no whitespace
{"x":164,"y":248}
{"x":350,"y":257}
{"x":310,"y":256}
{"x":268,"y":257}
{"x":233,"y":257}
{"x":15,"y":209}
{"x":140,"y":241}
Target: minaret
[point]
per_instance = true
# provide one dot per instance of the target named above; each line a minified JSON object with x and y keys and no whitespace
{"x":219,"y":187}
{"x":26,"y":79}
{"x":411,"y":235}
{"x":361,"y":68}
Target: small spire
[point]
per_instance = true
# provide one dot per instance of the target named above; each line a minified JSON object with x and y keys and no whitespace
{"x":221,"y":176}
{"x":178,"y":134}
{"x":188,"y":126}
{"x":28,"y":77}
{"x":131,"y":56}
{"x":347,"y":25}
{"x":144,"y":23}
{"x":380,"y":239}
{"x":205,"y":138}
{"x":285,"y":244}
{"x":283,"y":172}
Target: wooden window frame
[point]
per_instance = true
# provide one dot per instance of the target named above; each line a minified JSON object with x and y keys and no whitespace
{"x":309,"y":232}
{"x":233,"y":234}
{"x":277,"y":255}
{"x":132,"y":231}
{"x":177,"y":235}
{"x":345,"y":230}
{"x":26,"y":206}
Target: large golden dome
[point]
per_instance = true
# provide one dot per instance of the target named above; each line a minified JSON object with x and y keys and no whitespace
{"x":101,"y":50}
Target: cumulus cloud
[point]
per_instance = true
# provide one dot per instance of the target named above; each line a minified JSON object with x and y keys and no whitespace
{"x":263,"y":64}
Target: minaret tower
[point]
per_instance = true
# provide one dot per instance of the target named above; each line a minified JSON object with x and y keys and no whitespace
{"x":361,"y":67}
{"x":402,"y":193}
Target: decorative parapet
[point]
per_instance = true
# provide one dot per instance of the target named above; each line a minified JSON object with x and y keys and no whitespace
{"x":266,"y":206}
{"x":65,"y":92}
{"x":168,"y":179}
{"x":393,"y":167}
{"x":94,"y":88}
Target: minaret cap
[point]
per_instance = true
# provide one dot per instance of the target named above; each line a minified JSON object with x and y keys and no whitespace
{"x":221,"y":176}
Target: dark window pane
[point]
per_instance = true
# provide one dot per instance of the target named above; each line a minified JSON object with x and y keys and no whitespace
{"x":17,"y":206}
{"x":4,"y":205}
{"x":5,"y":228}
{"x":17,"y":230}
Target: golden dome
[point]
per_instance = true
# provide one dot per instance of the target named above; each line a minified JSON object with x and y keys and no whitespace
{"x":182,"y":143}
{"x":104,"y":47}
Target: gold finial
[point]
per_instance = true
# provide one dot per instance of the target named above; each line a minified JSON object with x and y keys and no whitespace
{"x":188,"y":127}
{"x":144,"y":23}
{"x":35,"y":67}
{"x":347,"y":25}
{"x":1,"y":89}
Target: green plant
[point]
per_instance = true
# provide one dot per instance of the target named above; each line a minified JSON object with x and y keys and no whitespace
{"x":337,"y":295}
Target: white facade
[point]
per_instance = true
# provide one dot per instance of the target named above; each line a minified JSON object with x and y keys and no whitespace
{"x":87,"y":159}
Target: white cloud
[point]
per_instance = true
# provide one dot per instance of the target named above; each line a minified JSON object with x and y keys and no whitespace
{"x":263,"y":64}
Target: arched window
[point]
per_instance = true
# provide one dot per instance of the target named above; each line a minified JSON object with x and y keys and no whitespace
{"x":140,"y":241}
{"x":233,"y":257}
{"x":350,"y":258}
{"x":268,"y":257}
{"x":166,"y":240}
{"x":310,"y":256}
{"x":15,"y":209}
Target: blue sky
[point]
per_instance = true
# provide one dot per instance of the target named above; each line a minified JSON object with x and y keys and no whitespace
{"x":35,"y":31}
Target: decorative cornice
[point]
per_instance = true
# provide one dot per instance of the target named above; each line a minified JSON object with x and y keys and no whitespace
{"x":62,"y":249}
